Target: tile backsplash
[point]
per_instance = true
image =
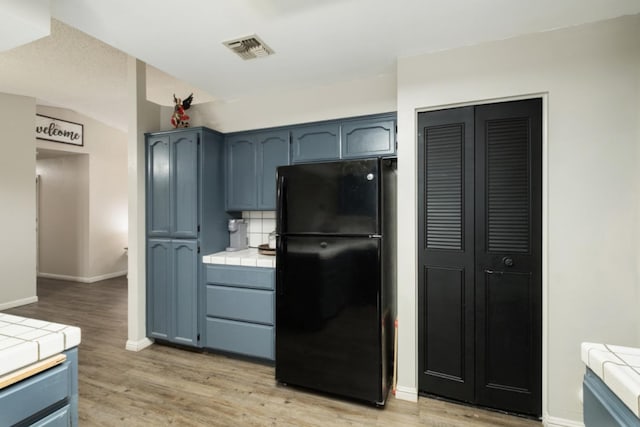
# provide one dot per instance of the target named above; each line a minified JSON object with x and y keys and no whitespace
{"x":260,"y":224}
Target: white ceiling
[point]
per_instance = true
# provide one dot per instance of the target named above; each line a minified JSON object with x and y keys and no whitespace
{"x":315,"y":43}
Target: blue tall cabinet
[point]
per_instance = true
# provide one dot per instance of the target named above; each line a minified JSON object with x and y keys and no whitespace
{"x":185,"y":217}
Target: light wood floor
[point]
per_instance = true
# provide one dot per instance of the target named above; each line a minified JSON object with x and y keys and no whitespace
{"x":167,"y":386}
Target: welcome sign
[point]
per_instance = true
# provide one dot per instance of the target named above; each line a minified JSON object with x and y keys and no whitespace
{"x":56,"y":130}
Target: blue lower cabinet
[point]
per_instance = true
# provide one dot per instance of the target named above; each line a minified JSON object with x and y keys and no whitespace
{"x":601,"y":407}
{"x":240,"y":305}
{"x":172,"y":290}
{"x":49,"y":398}
{"x":60,"y":418}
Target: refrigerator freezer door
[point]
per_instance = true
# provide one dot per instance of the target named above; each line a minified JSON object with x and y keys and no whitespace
{"x":329,"y":198}
{"x":328,"y":334}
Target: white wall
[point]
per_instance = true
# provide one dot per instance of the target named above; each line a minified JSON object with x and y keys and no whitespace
{"x":590,"y":75}
{"x":17,"y":201}
{"x":103,"y":229}
{"x":344,"y":99}
{"x":63,"y":220}
{"x":143,"y":117}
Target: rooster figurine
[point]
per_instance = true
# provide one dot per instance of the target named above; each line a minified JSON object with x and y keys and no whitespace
{"x":180,"y":119}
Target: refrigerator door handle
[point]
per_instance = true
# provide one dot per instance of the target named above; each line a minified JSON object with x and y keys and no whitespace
{"x":375,"y":236}
{"x":280,"y":264}
{"x":282,"y":214}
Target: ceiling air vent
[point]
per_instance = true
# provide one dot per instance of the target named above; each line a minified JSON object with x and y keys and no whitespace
{"x":249,"y":47}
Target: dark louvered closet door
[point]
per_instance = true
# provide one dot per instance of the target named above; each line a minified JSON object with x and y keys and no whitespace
{"x":508,"y":256}
{"x":480,"y":244}
{"x":446,"y":272}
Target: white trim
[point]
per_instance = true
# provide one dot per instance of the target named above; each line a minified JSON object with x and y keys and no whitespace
{"x":82,"y":279}
{"x":407,"y":393}
{"x":560,"y":422}
{"x":138,"y":345}
{"x":18,"y":302}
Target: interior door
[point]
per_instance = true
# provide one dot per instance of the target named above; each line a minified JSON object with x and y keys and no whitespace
{"x":446,"y":275}
{"x":480,"y":298}
{"x":508,"y":256}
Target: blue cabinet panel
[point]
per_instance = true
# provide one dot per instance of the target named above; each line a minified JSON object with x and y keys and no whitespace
{"x":158,"y":186}
{"x":241,"y":173}
{"x":273,"y":151}
{"x":249,"y":339}
{"x":159,"y":287}
{"x":368,"y":138}
{"x":249,"y":305}
{"x":185,"y":184}
{"x":185,"y":292}
{"x":315,"y":143}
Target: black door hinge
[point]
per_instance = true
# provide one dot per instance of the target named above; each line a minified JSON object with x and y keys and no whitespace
{"x":198,"y":228}
{"x":198,"y":249}
{"x":198,"y":337}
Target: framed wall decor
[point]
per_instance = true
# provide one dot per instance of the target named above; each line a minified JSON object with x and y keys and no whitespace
{"x":57,"y":130}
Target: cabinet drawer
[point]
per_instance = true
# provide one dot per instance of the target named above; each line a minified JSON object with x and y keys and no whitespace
{"x":60,"y":418}
{"x":244,"y":338}
{"x":251,"y":305}
{"x":249,"y":277}
{"x":34,"y":394}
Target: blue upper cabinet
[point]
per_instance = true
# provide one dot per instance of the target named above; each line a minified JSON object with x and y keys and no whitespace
{"x":315,"y":143}
{"x":273,"y":151}
{"x":370,"y":137}
{"x":252,"y":159}
{"x":172,"y":185}
{"x":241,"y":173}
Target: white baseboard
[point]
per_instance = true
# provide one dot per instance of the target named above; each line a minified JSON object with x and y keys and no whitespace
{"x":138,"y":345}
{"x":18,"y":302}
{"x":548,"y":421}
{"x":82,"y":279}
{"x":407,"y":393}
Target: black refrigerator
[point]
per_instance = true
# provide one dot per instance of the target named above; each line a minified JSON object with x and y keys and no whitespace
{"x":335,"y":277}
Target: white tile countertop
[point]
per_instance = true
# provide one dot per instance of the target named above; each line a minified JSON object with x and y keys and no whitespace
{"x":25,"y":341}
{"x":619,"y":368}
{"x":248,"y":258}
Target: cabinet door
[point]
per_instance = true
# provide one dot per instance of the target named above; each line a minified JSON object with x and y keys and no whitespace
{"x":158,"y":186}
{"x":241,"y":173}
{"x":184,"y":298}
{"x":159,"y":285}
{"x":315,"y":143}
{"x":368,"y":137}
{"x":273,"y":151}
{"x":184,"y":170}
